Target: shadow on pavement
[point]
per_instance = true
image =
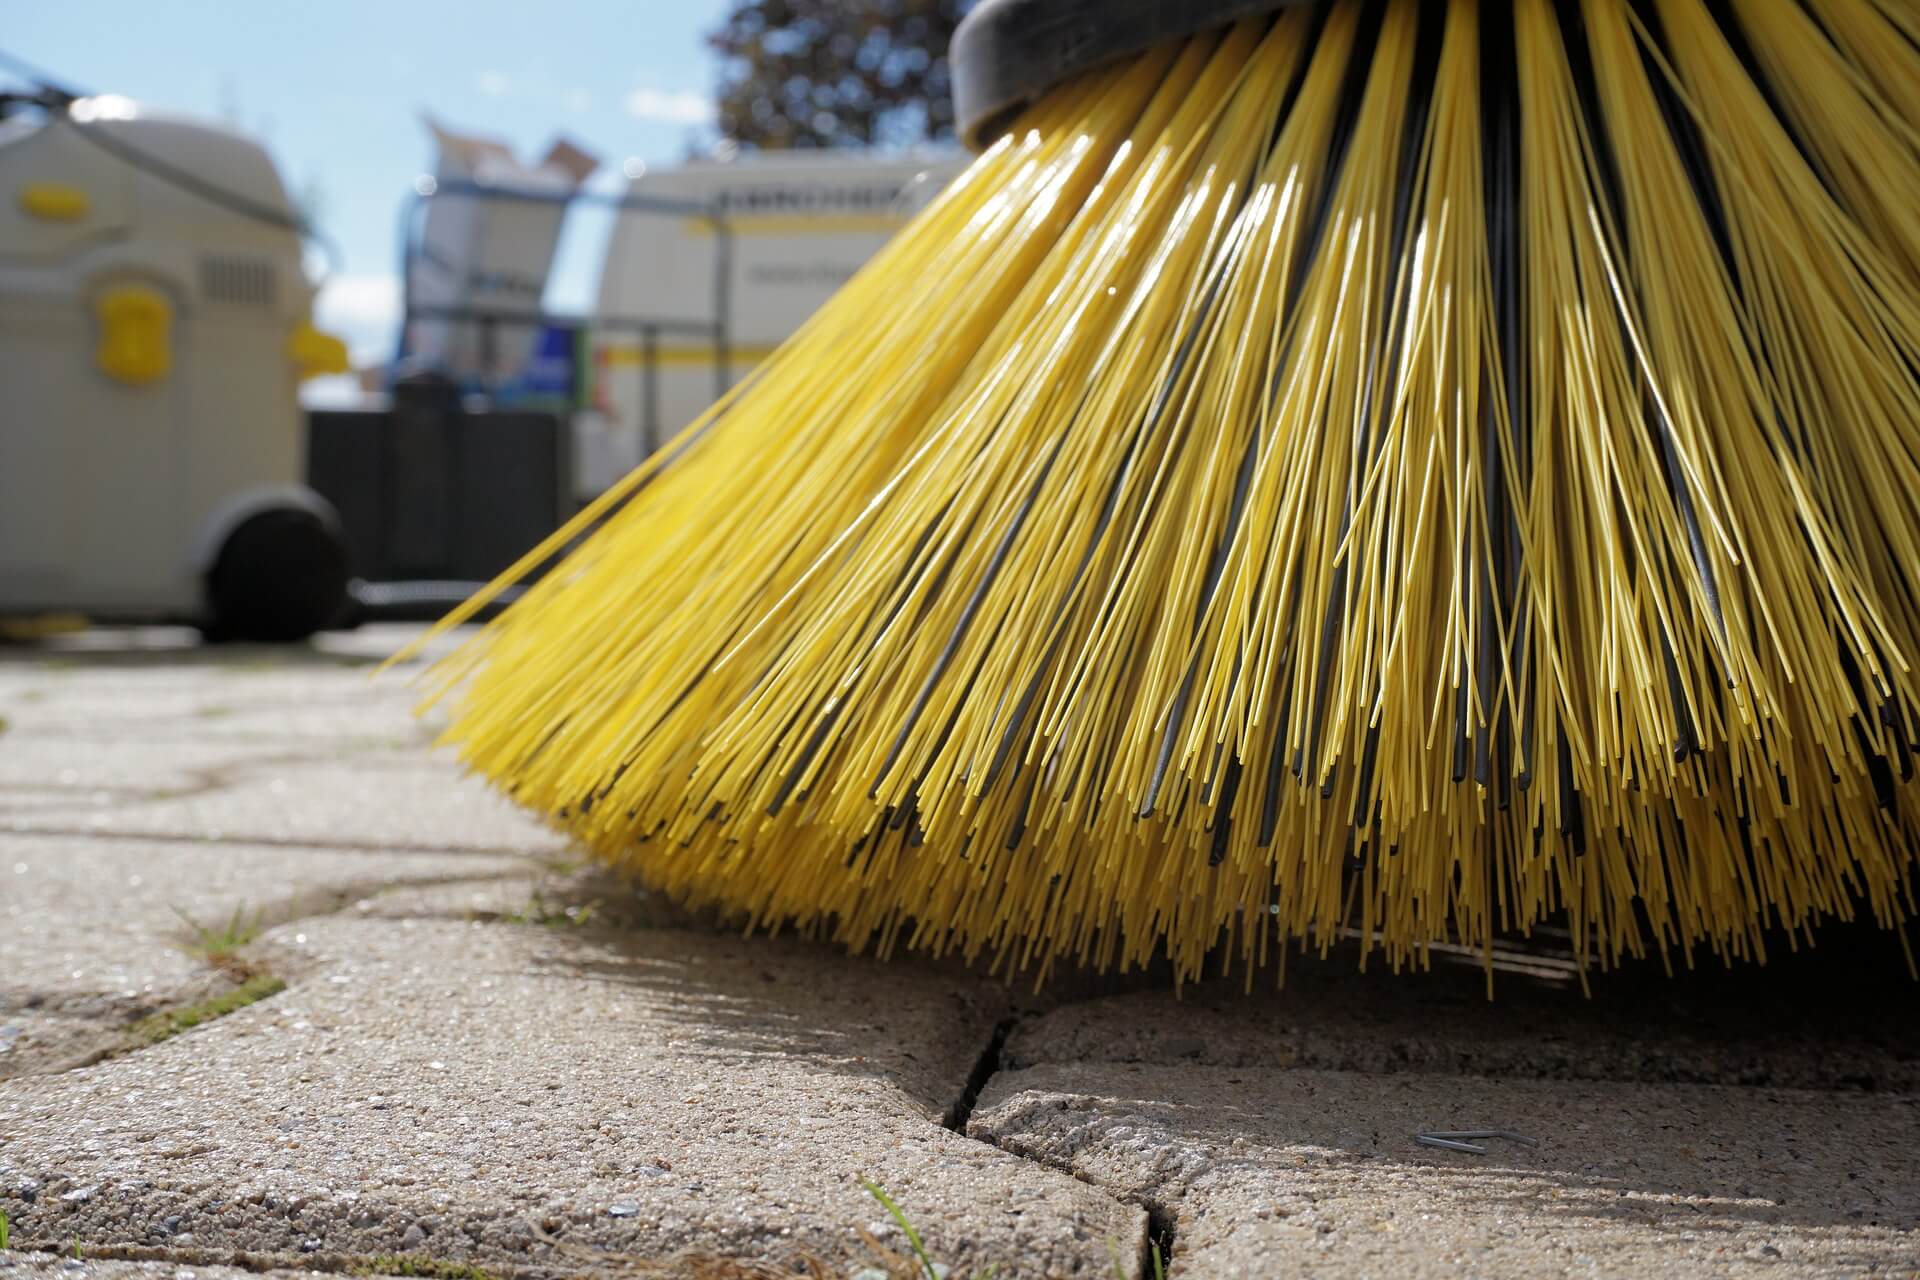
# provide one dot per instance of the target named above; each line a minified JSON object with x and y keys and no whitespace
{"x":1338,"y":1069}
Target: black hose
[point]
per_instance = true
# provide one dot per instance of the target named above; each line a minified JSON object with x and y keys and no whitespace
{"x":419,"y":601}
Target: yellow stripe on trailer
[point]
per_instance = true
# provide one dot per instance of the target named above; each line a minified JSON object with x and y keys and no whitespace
{"x":632,"y":353}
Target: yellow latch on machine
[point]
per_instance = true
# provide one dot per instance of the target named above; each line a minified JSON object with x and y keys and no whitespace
{"x":315,"y":353}
{"x":136,"y":332}
{"x":54,"y":202}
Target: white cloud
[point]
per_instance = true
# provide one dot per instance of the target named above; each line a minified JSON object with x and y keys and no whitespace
{"x":492,"y":83}
{"x":363,"y":312}
{"x":333,"y":391}
{"x":669,"y":108}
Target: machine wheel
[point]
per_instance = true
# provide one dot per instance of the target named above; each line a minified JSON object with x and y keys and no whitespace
{"x":280,"y":576}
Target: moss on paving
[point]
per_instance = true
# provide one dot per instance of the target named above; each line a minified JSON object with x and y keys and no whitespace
{"x":414,"y":1264}
{"x":171,"y":1022}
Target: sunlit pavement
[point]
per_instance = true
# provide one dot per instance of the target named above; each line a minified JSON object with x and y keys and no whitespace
{"x":280,"y":987}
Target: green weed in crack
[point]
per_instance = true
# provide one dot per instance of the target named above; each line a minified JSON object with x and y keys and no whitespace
{"x":539,"y":911}
{"x":1153,"y":1256}
{"x":215,"y":944}
{"x":413,"y":1264}
{"x":926,"y":1269}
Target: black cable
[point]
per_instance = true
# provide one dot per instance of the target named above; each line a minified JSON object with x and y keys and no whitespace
{"x":212,"y":192}
{"x":426,"y":601}
{"x":27,"y":71}
{"x":174,"y":176}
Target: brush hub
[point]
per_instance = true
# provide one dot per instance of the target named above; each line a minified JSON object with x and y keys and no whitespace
{"x":1006,"y":53}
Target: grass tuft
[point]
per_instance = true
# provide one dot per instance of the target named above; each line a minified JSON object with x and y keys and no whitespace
{"x":220,"y":946}
{"x":218,"y":943}
{"x":550,"y":915}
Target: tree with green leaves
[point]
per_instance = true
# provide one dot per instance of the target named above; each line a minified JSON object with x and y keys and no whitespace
{"x":836,"y":73}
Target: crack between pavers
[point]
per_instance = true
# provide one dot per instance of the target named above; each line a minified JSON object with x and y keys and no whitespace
{"x":309,"y":905}
{"x":985,"y":1067}
{"x":223,"y":777}
{"x":588,"y":1263}
{"x":1156,"y":1250}
{"x":1157,"y":1259}
{"x":164,"y":1024}
{"x":200,"y":783}
{"x":331,"y":900}
{"x":346,"y":1264}
{"x":1161,"y":1217}
{"x":268,"y":842}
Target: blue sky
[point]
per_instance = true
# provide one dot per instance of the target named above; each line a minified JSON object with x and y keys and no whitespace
{"x":335,"y":92}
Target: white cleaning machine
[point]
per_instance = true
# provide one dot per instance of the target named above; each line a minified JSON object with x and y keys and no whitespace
{"x":154,"y":329}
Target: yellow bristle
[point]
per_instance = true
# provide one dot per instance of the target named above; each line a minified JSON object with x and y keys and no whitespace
{"x":1407,"y":471}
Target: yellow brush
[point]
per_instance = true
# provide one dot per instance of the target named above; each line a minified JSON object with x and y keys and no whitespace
{"x":1382,"y":469}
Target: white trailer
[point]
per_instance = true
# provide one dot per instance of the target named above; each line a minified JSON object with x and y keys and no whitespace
{"x":153,"y":329}
{"x":797,"y":225}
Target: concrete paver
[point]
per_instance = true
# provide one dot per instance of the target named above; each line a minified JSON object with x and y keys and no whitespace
{"x":311,"y":752}
{"x":95,"y":933}
{"x":1275,"y":1131}
{"x":97,"y":771}
{"x":485,"y":1057}
{"x":1315,"y":1172}
{"x":520,"y":1094}
{"x":47,"y":1266}
{"x":312,"y":704}
{"x":345,"y":804}
{"x":457,"y":1069}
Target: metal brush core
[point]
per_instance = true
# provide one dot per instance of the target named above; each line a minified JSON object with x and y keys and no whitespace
{"x":1006,"y":53}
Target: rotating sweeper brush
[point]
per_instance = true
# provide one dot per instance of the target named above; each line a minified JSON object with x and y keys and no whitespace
{"x":1408,"y":471}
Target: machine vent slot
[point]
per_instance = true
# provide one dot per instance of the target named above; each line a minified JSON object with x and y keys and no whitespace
{"x":249,"y":281}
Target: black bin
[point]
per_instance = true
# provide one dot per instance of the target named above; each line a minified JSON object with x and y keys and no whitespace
{"x":428,"y":490}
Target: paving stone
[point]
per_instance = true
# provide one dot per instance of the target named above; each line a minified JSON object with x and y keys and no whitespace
{"x":583,"y":896}
{"x":50,"y":1266}
{"x":44,"y":770}
{"x":546,"y":1095}
{"x":324,"y":721}
{"x":1309,"y":1172}
{"x":261,"y":746}
{"x":19,"y":799}
{"x":182,"y":649}
{"x":460,"y":1070}
{"x":1273,"y":1131}
{"x":329,"y":805}
{"x":192,"y":702}
{"x":94,"y":932}
{"x":130,"y":687}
